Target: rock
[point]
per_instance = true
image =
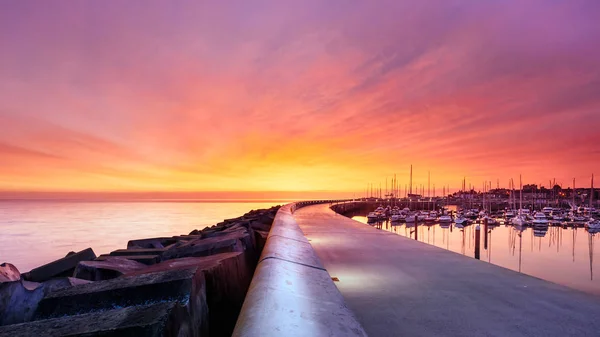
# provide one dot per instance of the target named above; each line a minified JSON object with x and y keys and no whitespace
{"x":19,"y":300}
{"x":257,"y":225}
{"x":138,"y":251}
{"x":17,"y":303}
{"x":151,"y":243}
{"x":187,"y":237}
{"x":228,"y":277}
{"x":195,"y":232}
{"x":161,"y":319}
{"x":70,"y":253}
{"x":185,"y":285}
{"x":261,"y":239}
{"x":9,"y":273}
{"x":144,"y":259}
{"x":61,"y":267}
{"x":238,"y":241}
{"x":107,"y":269}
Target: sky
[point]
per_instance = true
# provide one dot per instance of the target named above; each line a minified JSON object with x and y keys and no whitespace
{"x":300,"y":96}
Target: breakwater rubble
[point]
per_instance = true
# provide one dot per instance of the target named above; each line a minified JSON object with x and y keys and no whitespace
{"x":185,"y":285}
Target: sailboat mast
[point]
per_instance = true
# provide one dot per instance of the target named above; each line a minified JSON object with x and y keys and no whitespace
{"x":520,"y":195}
{"x":592,"y":192}
{"x":573,"y":192}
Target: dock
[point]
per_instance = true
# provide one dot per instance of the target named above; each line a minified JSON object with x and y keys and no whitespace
{"x":397,"y":286}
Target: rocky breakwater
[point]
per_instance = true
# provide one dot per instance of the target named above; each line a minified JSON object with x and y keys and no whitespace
{"x":185,"y":285}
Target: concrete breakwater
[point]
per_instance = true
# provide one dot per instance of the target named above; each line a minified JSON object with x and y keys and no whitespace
{"x":187,"y":285}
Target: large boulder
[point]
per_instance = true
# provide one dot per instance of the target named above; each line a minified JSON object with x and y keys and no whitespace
{"x":19,"y":300}
{"x":59,"y":268}
{"x":261,"y":239}
{"x":107,"y":269}
{"x":183,"y":285}
{"x":144,"y":259}
{"x":9,"y":273}
{"x":237,"y":241}
{"x":227,"y":276}
{"x":160,"y":242}
{"x":138,"y":251}
{"x":161,"y":319}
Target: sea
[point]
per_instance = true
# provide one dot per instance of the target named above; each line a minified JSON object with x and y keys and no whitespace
{"x":33,"y":233}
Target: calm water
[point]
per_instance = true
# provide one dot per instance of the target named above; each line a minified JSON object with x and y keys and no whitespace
{"x":564,"y":256}
{"x":35,"y":232}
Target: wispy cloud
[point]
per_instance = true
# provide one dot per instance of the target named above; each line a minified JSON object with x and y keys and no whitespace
{"x":287,"y":95}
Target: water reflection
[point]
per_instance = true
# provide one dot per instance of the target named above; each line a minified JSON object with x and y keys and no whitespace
{"x":555,"y":253}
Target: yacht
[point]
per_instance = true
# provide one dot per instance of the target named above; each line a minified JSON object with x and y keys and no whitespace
{"x":412,"y":218}
{"x":396,"y":218}
{"x":519,"y":221}
{"x":372,"y":216}
{"x":547,"y":211}
{"x":539,"y":219}
{"x":510,"y":214}
{"x":460,"y":220}
{"x":445,"y":218}
{"x":593,"y":224}
{"x":431,"y":217}
{"x":558,"y":216}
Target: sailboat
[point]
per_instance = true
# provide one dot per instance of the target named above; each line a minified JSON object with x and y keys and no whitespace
{"x":520,"y":219}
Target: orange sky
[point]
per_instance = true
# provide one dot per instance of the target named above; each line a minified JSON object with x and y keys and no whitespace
{"x":296,"y":96}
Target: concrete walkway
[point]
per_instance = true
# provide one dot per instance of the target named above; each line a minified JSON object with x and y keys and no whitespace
{"x":400,"y":287}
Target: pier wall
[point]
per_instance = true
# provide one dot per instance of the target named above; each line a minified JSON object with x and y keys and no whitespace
{"x":291,"y":293}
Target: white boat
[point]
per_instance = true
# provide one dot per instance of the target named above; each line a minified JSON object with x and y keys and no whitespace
{"x":557,"y":216}
{"x":539,"y":219}
{"x":411,"y":218}
{"x":519,"y":221}
{"x":593,"y":224}
{"x":372,"y":216}
{"x":445,"y":218}
{"x":461,"y":220}
{"x":396,"y":218}
{"x":431,"y":217}
{"x":510,"y":214}
{"x":547,"y":211}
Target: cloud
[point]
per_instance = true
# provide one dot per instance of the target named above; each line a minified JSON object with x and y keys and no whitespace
{"x":291,"y":95}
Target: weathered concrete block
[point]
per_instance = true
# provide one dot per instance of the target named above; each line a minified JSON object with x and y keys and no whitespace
{"x":185,"y":285}
{"x":9,"y":273}
{"x":161,"y":242}
{"x":162,"y":319}
{"x":144,"y":259}
{"x":187,"y":237}
{"x":138,"y":251}
{"x":109,"y":268}
{"x":19,"y":300}
{"x":228,"y":277}
{"x":260,"y":237}
{"x":61,"y":267}
{"x":237,"y":241}
{"x":257,"y":225}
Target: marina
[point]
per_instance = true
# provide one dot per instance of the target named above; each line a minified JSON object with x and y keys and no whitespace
{"x":557,"y":251}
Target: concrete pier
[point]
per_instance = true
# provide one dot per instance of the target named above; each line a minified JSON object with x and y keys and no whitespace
{"x":397,"y":286}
